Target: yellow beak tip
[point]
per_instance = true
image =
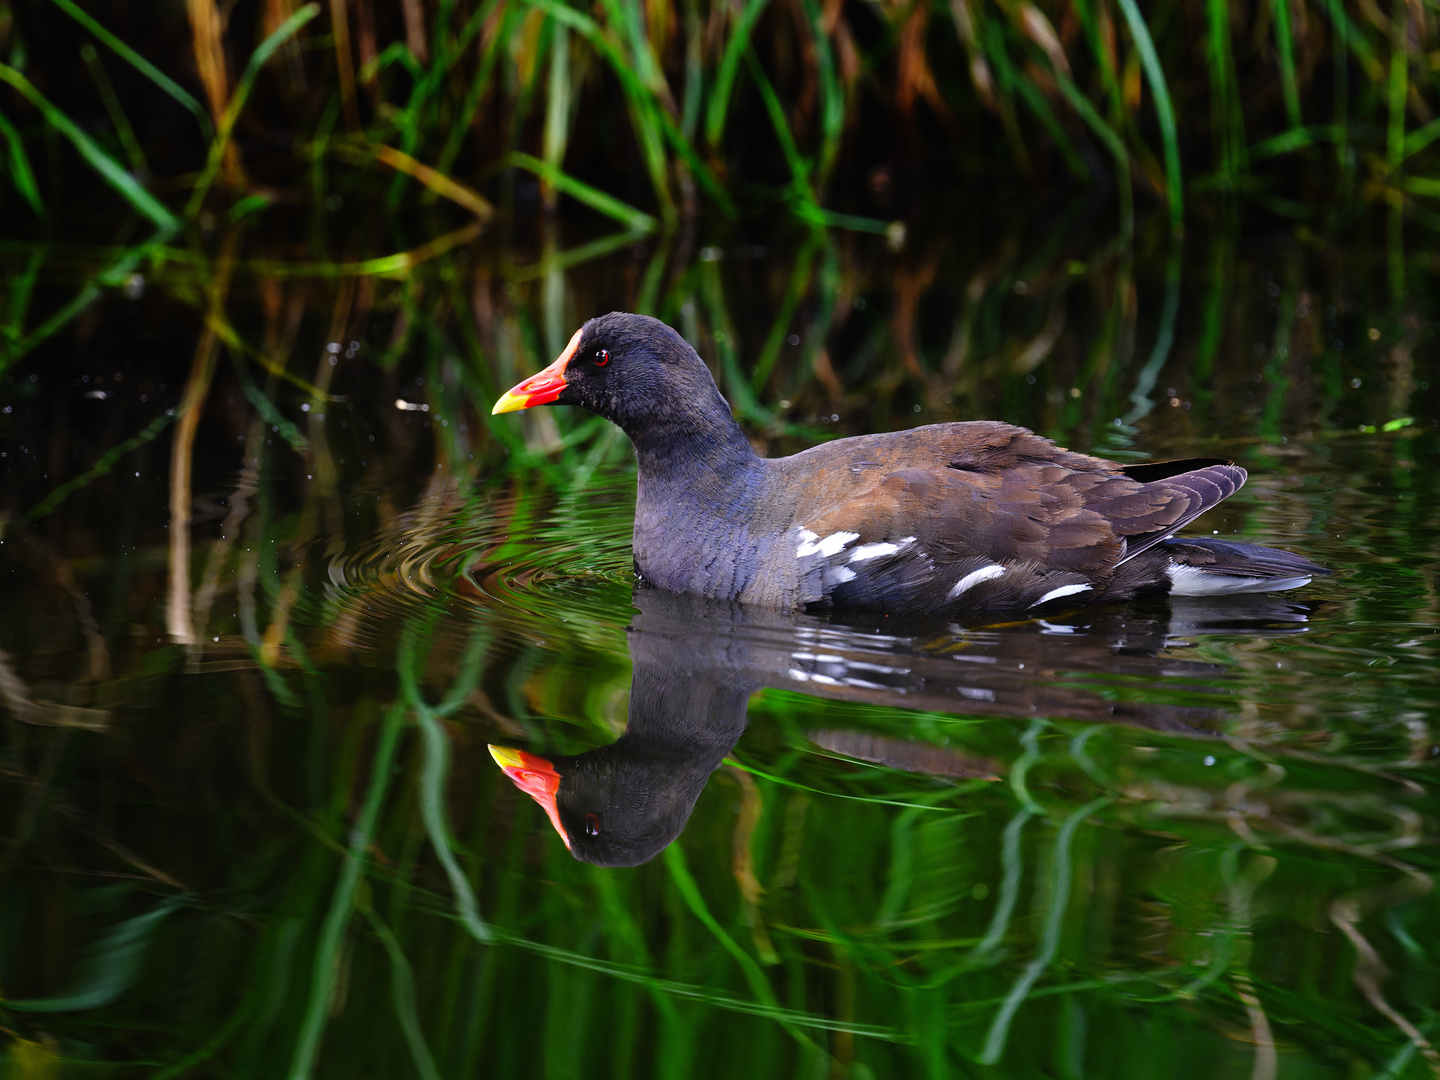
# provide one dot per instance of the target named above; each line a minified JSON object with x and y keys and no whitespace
{"x":507,"y":403}
{"x":504,"y":756}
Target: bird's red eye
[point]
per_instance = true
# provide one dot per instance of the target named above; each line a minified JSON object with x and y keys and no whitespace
{"x":592,"y":824}
{"x":602,"y":357}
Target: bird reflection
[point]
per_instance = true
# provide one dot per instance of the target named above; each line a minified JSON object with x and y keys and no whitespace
{"x":697,"y":662}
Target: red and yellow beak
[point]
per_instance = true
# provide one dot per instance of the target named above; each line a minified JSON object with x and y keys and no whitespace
{"x":533,"y":775}
{"x":539,"y":389}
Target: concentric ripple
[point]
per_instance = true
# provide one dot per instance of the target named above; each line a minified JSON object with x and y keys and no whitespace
{"x":533,"y":561}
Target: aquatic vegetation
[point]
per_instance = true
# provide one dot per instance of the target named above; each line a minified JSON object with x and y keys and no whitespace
{"x":271,"y":578}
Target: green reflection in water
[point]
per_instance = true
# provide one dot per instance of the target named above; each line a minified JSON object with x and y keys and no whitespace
{"x":1159,"y":841}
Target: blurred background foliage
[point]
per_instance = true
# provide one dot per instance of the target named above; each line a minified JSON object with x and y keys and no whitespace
{"x":271,"y":576}
{"x":841,"y":111}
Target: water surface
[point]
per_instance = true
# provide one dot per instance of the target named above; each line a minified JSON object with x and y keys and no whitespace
{"x":254,"y":828}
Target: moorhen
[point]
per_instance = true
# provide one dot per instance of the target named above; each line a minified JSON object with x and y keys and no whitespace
{"x":975,"y":520}
{"x":696,"y":662}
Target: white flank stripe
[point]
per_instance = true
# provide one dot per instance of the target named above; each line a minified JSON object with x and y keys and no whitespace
{"x":873,"y":551}
{"x":975,"y":577}
{"x":1188,"y":581}
{"x":1063,"y":590}
{"x":810,"y":544}
{"x":838,"y":575}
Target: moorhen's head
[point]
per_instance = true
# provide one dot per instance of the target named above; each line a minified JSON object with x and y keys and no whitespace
{"x":611,"y":805}
{"x":631,"y":369}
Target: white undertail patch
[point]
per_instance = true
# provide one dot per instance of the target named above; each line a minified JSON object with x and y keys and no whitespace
{"x":1063,"y":590}
{"x":810,"y":544}
{"x":1188,"y":581}
{"x":975,"y":577}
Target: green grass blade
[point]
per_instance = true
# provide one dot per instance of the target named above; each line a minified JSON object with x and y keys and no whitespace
{"x":690,"y":892}
{"x":1285,"y":48}
{"x":342,"y":902}
{"x":832,"y":94}
{"x":124,"y":184}
{"x":799,"y":167}
{"x":21,"y":288}
{"x":595,"y":249}
{"x":109,"y":967}
{"x":697,"y":992}
{"x":268,"y":410}
{"x":1421,"y":185}
{"x":794,"y":292}
{"x":106,"y":462}
{"x":1035,"y":100}
{"x":1140,"y":401}
{"x":1011,"y":866}
{"x":702,"y":172}
{"x":663,"y":122}
{"x":140,"y":64}
{"x":645,"y":113}
{"x":112,"y":275}
{"x":21,"y":175}
{"x":397,"y":265}
{"x":466,"y":114}
{"x":118,"y":120}
{"x":557,"y":105}
{"x":1112,"y":141}
{"x":1059,"y":893}
{"x":1352,"y":36}
{"x":694,"y":70}
{"x":283,"y":33}
{"x":733,"y":381}
{"x":432,"y":806}
{"x":1296,"y":139}
{"x":628,"y":18}
{"x":735,"y":50}
{"x":1109,"y":77}
{"x":649,"y":292}
{"x":992,"y":42}
{"x":1164,"y":110}
{"x":434,"y":771}
{"x":1398,"y":91}
{"x":633,"y":219}
{"x":1421,"y":137}
{"x":853,"y":222}
{"x":1227,"y":115}
{"x":402,"y":996}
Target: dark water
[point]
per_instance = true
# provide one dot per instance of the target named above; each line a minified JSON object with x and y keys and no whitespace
{"x":1191,"y":839}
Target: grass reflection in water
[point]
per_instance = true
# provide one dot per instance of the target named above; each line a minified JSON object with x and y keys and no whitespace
{"x":1190,"y":841}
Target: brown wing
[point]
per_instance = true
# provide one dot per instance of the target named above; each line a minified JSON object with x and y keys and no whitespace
{"x":1013,"y":499}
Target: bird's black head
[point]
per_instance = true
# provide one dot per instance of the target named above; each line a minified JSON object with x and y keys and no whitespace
{"x":616,"y":805}
{"x":622,"y":808}
{"x":631,"y":369}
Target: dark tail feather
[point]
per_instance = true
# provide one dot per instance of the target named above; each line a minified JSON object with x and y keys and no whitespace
{"x":1204,"y":566}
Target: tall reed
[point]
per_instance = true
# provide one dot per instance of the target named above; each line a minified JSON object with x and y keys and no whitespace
{"x":680,"y":108}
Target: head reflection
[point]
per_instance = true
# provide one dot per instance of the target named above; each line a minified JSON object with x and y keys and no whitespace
{"x":697,"y":662}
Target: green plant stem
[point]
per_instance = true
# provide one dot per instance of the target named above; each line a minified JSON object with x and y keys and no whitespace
{"x":21,"y":175}
{"x":735,"y":48}
{"x":1164,"y":111}
{"x":633,"y":219}
{"x":1285,"y":50}
{"x":118,"y":119}
{"x":140,"y":64}
{"x":266,"y":49}
{"x":121,"y":181}
{"x":342,"y":903}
